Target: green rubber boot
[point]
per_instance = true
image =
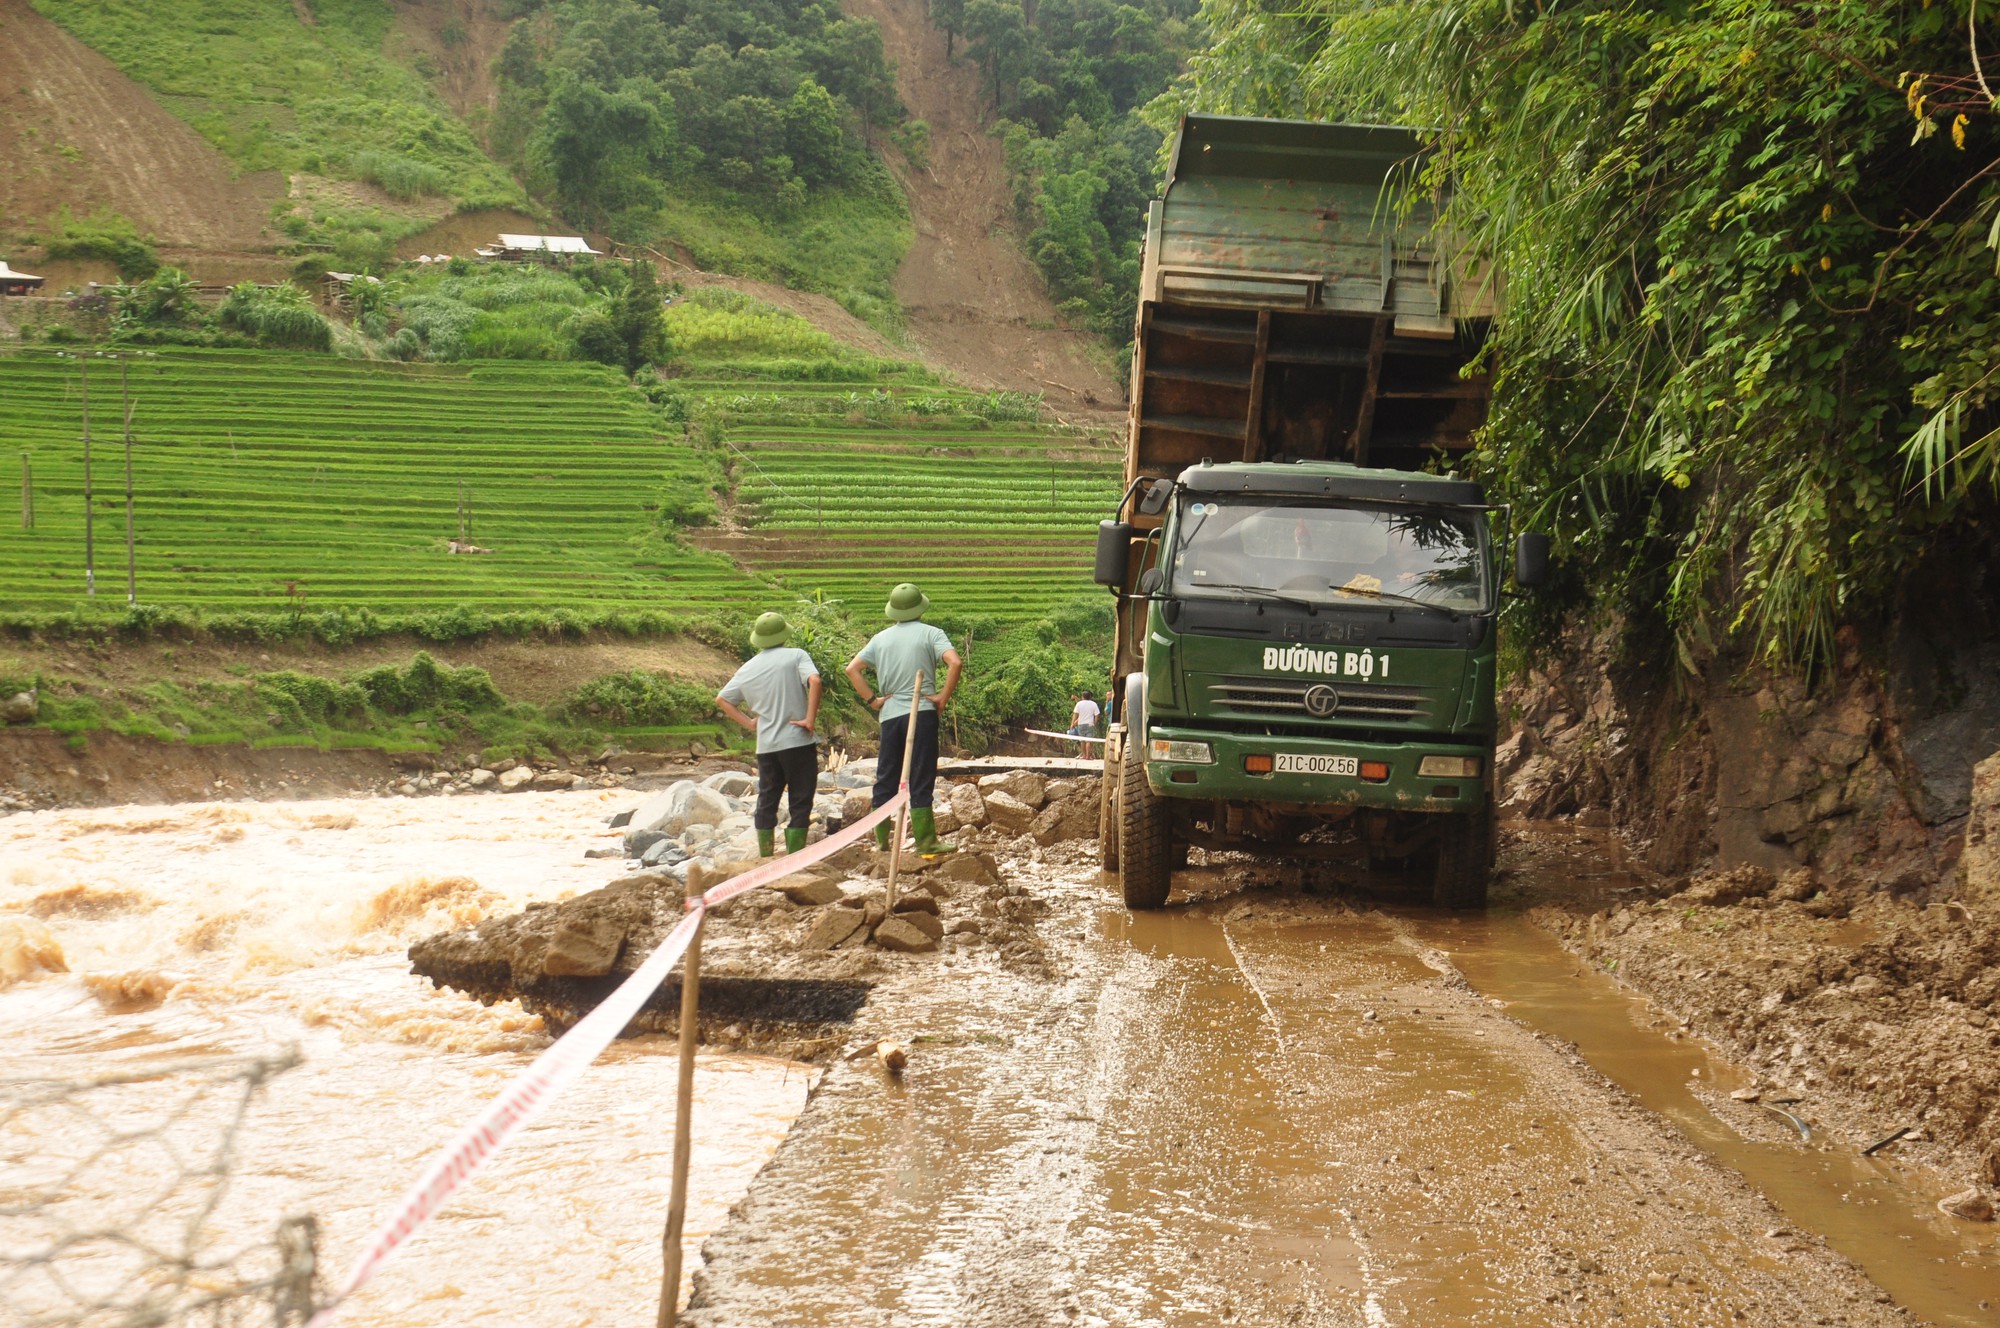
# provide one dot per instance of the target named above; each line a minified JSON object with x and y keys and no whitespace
{"x":764,"y":838}
{"x":923,"y":825}
{"x":882,"y":835}
{"x":795,"y":839}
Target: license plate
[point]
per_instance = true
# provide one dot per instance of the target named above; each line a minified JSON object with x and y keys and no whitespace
{"x":1289,"y":763}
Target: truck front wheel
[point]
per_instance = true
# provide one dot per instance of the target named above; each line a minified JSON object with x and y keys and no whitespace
{"x":1464,"y":861}
{"x":1145,"y":833}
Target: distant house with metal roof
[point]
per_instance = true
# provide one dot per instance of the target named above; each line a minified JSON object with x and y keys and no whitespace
{"x":537,"y":246}
{"x":17,"y":283}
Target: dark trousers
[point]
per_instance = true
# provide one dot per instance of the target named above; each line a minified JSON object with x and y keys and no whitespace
{"x":923,"y":759}
{"x":795,"y":769}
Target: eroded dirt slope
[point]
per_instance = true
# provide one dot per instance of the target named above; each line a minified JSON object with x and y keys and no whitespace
{"x":976,"y":305}
{"x":79,"y":133}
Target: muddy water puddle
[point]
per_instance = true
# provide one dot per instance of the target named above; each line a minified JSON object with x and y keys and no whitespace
{"x":238,"y":930}
{"x":1944,"y":1271}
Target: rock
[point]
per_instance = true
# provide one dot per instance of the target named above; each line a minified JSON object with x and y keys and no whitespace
{"x":502,"y":767}
{"x":664,"y":852}
{"x":20,"y":708}
{"x":480,"y":778}
{"x":1981,"y":859}
{"x":552,"y":780}
{"x":638,"y":841}
{"x":965,"y":927}
{"x":1025,"y":785}
{"x":732,"y":784}
{"x":811,"y":891}
{"x":1510,"y":755}
{"x":697,"y":749}
{"x":1747,"y":1094}
{"x":930,"y":924}
{"x":1797,"y":885}
{"x":854,"y":806}
{"x":1058,"y":789}
{"x":1074,"y":818}
{"x":514,"y":780}
{"x":585,"y":946}
{"x":965,"y":868}
{"x":904,"y":936}
{"x":1971,"y":1205}
{"x":604,"y":853}
{"x":1007,"y":812}
{"x":916,"y":901}
{"x":650,"y":814}
{"x":968,"y":806}
{"x":832,"y":927}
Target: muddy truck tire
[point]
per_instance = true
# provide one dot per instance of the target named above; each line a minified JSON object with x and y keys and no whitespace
{"x":1145,"y":834}
{"x":1464,"y":862}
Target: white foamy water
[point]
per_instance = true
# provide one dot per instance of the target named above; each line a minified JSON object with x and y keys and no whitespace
{"x":193,"y":931}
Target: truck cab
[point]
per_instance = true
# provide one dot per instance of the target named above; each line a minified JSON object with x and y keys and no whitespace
{"x":1307,"y":592}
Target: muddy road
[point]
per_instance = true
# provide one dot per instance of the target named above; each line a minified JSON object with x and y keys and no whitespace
{"x":1269,"y":1107}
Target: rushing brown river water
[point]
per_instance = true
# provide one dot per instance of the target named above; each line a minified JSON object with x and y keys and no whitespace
{"x":196,"y":931}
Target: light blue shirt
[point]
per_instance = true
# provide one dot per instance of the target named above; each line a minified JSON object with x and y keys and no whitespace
{"x":899,"y":654}
{"x":772,"y":686}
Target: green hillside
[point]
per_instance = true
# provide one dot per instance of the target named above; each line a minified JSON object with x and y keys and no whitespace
{"x":270,"y":481}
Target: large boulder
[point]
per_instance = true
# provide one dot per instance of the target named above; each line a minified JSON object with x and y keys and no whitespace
{"x":1024,"y":785}
{"x":1982,"y":836}
{"x":1008,"y":812}
{"x":732,"y":784}
{"x":1072,"y":818}
{"x":513,"y":781}
{"x":19,"y":708}
{"x":967,"y":807}
{"x":679,"y":806}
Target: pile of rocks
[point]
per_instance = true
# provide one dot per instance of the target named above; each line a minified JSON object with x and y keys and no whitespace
{"x":996,"y":810}
{"x":705,"y":825}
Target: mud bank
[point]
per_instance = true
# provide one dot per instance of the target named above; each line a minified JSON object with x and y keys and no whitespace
{"x":1871,"y":1012}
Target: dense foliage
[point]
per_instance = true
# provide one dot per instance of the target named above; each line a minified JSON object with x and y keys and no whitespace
{"x":1750,"y":297}
{"x":1070,"y":78}
{"x":648,"y":118}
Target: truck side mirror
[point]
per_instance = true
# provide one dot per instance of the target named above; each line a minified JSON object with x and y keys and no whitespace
{"x":1156,"y":497}
{"x":1531,"y":561}
{"x":1149,"y":581}
{"x":1114,"y":554}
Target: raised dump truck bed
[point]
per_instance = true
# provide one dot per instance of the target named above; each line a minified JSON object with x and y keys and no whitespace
{"x":1293,"y":305}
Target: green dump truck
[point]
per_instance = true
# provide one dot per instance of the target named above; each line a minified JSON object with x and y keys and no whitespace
{"x":1306,"y":594}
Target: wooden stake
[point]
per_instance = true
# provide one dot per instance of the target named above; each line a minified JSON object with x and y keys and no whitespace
{"x":903,"y":812}
{"x":670,"y":1242}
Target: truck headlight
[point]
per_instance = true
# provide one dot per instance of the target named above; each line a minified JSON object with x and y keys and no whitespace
{"x":1448,"y":767}
{"x":1188,"y":753}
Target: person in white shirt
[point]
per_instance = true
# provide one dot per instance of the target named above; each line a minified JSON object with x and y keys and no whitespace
{"x":776,"y":696}
{"x":1085,"y":717}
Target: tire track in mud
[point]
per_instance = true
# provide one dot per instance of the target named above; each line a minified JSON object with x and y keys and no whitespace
{"x":1263,"y":1110}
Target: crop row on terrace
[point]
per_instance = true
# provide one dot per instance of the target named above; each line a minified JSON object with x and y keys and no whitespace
{"x":268,"y":480}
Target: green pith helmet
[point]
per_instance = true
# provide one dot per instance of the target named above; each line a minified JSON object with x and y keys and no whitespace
{"x":771,"y":630}
{"x":906,"y":603}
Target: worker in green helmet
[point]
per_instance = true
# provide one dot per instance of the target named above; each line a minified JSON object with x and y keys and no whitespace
{"x":776,"y":696}
{"x":906,"y":657}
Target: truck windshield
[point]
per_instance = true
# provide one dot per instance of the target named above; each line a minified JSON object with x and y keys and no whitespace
{"x":1328,"y":555}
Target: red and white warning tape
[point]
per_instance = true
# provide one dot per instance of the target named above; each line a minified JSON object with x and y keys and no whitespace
{"x":529,"y":1092}
{"x":1066,"y":737}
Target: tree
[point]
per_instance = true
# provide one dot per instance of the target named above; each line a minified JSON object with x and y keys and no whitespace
{"x":637,"y":321}
{"x":813,"y":135}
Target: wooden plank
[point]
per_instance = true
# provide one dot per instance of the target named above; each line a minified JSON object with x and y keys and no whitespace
{"x":1253,"y":429}
{"x":1206,"y":425}
{"x":1189,"y":373}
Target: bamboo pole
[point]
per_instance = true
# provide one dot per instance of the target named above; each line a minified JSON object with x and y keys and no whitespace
{"x":670,"y":1241}
{"x":903,"y":812}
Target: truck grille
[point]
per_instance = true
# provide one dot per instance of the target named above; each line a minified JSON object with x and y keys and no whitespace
{"x":1286,"y":697}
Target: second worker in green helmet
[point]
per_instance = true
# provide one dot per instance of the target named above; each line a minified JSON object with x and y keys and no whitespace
{"x":776,"y":696}
{"x":906,"y":657}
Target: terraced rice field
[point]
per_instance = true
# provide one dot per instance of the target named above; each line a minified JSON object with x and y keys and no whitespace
{"x":845,"y":494}
{"x":264,"y":480}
